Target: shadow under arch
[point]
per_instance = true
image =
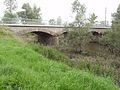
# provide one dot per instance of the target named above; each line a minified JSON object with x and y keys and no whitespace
{"x":44,"y":38}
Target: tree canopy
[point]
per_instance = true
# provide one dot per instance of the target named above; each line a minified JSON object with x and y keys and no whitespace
{"x":29,"y":12}
{"x":9,"y":18}
{"x":79,"y":10}
{"x":92,"y":19}
{"x":77,"y":37}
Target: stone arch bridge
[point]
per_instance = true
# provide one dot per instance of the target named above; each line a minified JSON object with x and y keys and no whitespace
{"x":48,"y":34}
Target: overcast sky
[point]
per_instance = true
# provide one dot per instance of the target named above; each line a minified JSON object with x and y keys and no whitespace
{"x":54,"y":8}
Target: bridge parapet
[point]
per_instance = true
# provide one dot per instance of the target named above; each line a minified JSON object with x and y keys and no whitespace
{"x":52,"y":30}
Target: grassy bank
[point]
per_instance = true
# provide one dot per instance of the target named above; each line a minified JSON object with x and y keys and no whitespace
{"x":22,"y":68}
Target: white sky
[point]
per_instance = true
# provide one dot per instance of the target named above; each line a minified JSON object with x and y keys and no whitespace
{"x":54,"y":8}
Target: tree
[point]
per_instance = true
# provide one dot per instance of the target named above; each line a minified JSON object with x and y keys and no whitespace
{"x":36,"y":12}
{"x":59,"y":21}
{"x":10,"y":18}
{"x":116,"y":19}
{"x":78,"y":35}
{"x":52,"y":22}
{"x":11,"y":5}
{"x":9,"y":15}
{"x":92,"y":19}
{"x":79,"y":10}
{"x":29,"y":12}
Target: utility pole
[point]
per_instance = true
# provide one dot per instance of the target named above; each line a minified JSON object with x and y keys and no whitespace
{"x":105,"y":16}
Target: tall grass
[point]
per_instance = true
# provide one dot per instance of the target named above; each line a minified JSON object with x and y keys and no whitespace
{"x":51,"y":53}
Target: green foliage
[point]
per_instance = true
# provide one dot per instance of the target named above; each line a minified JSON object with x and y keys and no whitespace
{"x":116,"y":20}
{"x":29,"y":12}
{"x":10,"y":18}
{"x":21,"y":68}
{"x":78,"y":35}
{"x":9,"y":15}
{"x":92,"y":19}
{"x":30,"y":15}
{"x":111,"y":40}
{"x":76,"y":39}
{"x":98,"y":65}
{"x":79,"y":10}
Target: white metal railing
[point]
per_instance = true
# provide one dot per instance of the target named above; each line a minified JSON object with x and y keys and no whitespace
{"x":23,"y":21}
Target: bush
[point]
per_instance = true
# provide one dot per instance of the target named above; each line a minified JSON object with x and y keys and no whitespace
{"x":112,"y":42}
{"x":76,"y":40}
{"x":99,"y":66}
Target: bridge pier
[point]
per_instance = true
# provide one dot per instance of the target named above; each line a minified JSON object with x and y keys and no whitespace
{"x":55,"y":40}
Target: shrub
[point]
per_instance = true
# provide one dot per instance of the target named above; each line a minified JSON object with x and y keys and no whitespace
{"x":76,"y":40}
{"x":111,"y":41}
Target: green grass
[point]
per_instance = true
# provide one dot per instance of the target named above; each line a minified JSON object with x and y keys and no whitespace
{"x":21,"y":68}
{"x":51,"y":53}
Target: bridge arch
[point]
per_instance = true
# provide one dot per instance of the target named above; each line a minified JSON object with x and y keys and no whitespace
{"x":24,"y":31}
{"x":95,"y":33}
{"x":44,"y":36}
